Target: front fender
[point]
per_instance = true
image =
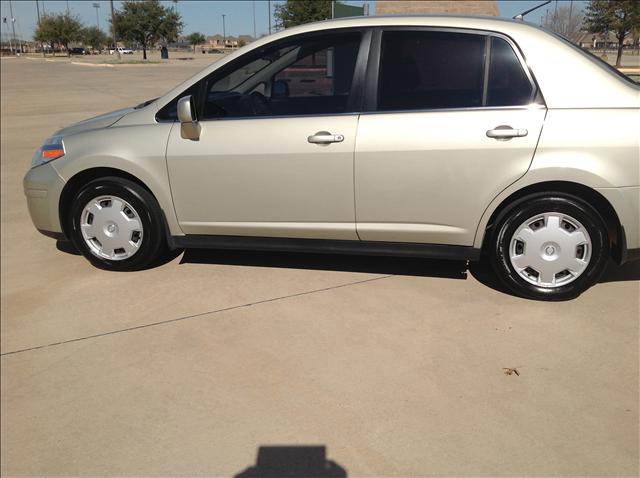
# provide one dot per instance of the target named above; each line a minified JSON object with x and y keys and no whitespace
{"x":139,"y":150}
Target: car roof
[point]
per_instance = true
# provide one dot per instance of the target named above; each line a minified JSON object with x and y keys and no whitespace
{"x":482,"y":22}
{"x":422,"y":17}
{"x":567,"y":77}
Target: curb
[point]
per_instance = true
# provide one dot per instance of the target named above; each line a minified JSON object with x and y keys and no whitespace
{"x":103,"y":65}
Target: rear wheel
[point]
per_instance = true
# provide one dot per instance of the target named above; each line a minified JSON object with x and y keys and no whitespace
{"x":117,"y":225}
{"x":550,"y":247}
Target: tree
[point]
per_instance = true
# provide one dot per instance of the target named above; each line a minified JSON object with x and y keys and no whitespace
{"x":195,"y":39}
{"x":619,"y":16}
{"x":147,"y":22}
{"x":297,"y":12}
{"x":58,"y":29}
{"x":45,"y":31}
{"x":567,"y":26}
{"x":94,"y":37}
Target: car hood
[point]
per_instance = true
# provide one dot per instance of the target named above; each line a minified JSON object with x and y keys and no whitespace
{"x":97,"y":122}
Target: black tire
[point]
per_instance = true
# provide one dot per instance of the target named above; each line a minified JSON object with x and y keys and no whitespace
{"x":153,"y":245}
{"x":509,"y":221}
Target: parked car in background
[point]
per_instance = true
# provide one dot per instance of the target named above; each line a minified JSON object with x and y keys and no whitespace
{"x":214,"y":51}
{"x":123,"y":51}
{"x":79,"y":51}
{"x":433,"y":136}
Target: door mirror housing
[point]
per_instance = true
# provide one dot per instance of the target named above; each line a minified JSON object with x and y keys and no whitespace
{"x":189,"y":126}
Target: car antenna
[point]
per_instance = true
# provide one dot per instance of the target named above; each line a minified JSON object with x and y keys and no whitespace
{"x":520,"y":16}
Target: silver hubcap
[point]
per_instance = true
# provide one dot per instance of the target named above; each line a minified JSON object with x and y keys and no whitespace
{"x":111,"y":227}
{"x":550,"y":250}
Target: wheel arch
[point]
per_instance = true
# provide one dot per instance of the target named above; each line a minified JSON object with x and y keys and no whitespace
{"x":603,"y":207}
{"x":81,"y":178}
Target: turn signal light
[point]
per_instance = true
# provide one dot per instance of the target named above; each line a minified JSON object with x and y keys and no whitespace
{"x":52,"y":153}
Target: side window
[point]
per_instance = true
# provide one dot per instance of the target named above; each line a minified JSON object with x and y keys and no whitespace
{"x":429,"y":69}
{"x":508,"y":83}
{"x":238,"y":76}
{"x":309,"y":77}
{"x":327,"y":72}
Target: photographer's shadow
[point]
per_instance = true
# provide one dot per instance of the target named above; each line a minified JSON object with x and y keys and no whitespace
{"x":293,"y":462}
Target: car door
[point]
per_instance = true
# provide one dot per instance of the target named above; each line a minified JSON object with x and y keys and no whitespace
{"x":453,"y":119}
{"x":275,"y":153}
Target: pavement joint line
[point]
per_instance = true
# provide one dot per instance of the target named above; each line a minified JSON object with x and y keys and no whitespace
{"x":194,"y":316}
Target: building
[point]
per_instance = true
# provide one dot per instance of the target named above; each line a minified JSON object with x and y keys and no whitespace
{"x":460,"y":7}
{"x":596,"y":41}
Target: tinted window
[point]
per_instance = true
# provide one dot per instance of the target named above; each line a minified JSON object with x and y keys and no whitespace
{"x":508,"y":83}
{"x":596,"y":59}
{"x":327,"y":72}
{"x":309,"y":77}
{"x":426,"y":70}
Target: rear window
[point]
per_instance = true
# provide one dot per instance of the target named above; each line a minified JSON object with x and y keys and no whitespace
{"x":597,"y":60}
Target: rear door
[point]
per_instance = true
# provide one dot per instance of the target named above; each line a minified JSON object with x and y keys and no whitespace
{"x":453,"y":119}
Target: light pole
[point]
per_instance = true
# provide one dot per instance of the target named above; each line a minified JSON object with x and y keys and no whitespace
{"x":254,"y":19}
{"x":38,"y":11}
{"x":269,"y":2}
{"x":113,"y":29}
{"x":224,"y":32}
{"x":96,"y":5}
{"x":13,"y":26}
{"x":570,"y":11}
{"x":4,"y":20}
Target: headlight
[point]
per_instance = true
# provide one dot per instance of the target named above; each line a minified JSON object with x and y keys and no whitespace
{"x":53,"y":148}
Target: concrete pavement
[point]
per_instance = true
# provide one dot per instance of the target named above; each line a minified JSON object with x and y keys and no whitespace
{"x":394,"y":366}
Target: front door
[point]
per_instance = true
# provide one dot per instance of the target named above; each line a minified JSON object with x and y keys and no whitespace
{"x":275,"y":154}
{"x":455,"y":123}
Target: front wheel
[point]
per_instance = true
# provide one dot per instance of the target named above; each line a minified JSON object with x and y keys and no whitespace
{"x":550,"y":247}
{"x":117,"y":225}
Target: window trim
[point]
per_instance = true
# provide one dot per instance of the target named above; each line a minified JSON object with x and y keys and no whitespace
{"x":486,"y":65}
{"x":373,"y":69}
{"x":356,"y":93}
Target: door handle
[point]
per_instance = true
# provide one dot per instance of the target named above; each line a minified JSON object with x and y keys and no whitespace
{"x":324,"y":137}
{"x":503,"y":133}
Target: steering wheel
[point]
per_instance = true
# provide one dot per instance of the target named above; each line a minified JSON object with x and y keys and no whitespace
{"x":259,"y":104}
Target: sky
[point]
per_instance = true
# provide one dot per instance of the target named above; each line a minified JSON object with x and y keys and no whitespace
{"x":206,"y":16}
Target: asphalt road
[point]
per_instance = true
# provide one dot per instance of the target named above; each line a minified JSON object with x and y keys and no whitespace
{"x":387,"y":367}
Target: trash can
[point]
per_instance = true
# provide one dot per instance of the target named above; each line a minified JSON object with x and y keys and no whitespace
{"x":164,"y":53}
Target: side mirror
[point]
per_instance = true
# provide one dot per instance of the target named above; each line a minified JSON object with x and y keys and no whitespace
{"x":189,"y":126}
